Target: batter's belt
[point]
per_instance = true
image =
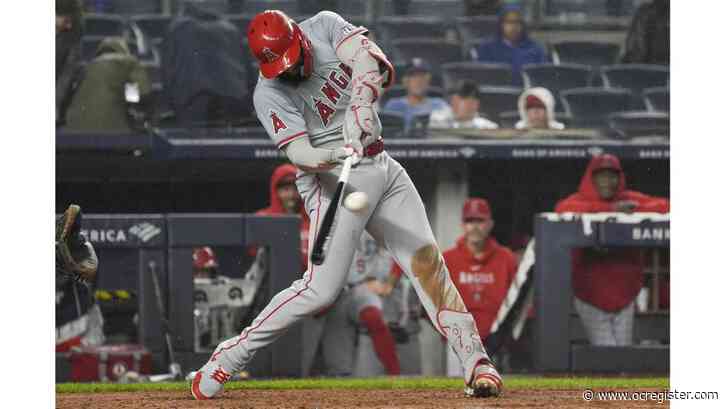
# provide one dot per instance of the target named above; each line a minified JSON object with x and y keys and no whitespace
{"x":374,"y":148}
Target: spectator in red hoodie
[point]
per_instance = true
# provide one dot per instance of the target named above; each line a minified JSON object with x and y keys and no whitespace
{"x":480,"y":267}
{"x":284,"y":199}
{"x":607,"y":281}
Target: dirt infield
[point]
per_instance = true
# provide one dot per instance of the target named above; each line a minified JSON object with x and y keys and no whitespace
{"x":319,"y":399}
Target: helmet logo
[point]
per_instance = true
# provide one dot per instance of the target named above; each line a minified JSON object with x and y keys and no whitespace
{"x":269,"y":55}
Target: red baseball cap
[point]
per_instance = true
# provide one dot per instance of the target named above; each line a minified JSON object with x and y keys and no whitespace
{"x":476,"y":208}
{"x":532,"y":101}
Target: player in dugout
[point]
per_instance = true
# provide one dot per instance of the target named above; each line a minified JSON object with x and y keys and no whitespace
{"x":480,"y":267}
{"x":607,"y":280}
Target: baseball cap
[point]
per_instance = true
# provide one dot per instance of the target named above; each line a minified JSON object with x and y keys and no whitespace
{"x":476,"y":208}
{"x":532,"y":101}
{"x":417,"y":65}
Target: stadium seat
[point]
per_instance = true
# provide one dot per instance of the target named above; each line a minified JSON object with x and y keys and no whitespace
{"x":590,"y":106}
{"x":240,"y":21}
{"x":105,"y":25}
{"x":89,"y":45}
{"x":639,"y":123}
{"x":470,"y":28}
{"x":448,"y":8}
{"x":351,"y":8}
{"x":556,"y":77}
{"x":657,"y":99}
{"x":508,"y":119}
{"x":390,"y":29}
{"x":257,"y":6}
{"x":495,"y":100}
{"x":153,"y":70}
{"x":435,"y":52}
{"x":584,"y":52}
{"x":418,"y":126}
{"x":468,"y":48}
{"x":393,"y":124}
{"x":497,"y":75}
{"x":399,"y":90}
{"x":153,"y":26}
{"x":635,"y":77}
{"x":588,"y":8}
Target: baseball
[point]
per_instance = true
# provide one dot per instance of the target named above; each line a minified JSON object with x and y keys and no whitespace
{"x":356,"y":201}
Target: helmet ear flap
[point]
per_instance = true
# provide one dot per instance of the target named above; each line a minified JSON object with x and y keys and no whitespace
{"x":306,"y":50}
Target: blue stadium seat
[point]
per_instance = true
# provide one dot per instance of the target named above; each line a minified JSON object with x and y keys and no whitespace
{"x":389,"y":29}
{"x":470,"y":28}
{"x":106,"y":25}
{"x":393,"y":124}
{"x":589,"y":107}
{"x":585,"y":52}
{"x":435,"y":51}
{"x":497,"y":75}
{"x":153,"y":26}
{"x":496,"y":100}
{"x":240,"y":21}
{"x":639,"y":123}
{"x":556,"y":77}
{"x":635,"y":77}
{"x":89,"y":45}
{"x":399,"y":90}
{"x":657,"y":99}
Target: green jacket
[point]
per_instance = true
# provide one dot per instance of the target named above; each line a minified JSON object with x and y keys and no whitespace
{"x":100,"y":101}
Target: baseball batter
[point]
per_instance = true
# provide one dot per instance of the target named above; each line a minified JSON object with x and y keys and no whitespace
{"x":319,"y":80}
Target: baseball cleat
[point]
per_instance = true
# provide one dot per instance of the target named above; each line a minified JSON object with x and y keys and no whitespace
{"x":486,"y":382}
{"x":209,"y":380}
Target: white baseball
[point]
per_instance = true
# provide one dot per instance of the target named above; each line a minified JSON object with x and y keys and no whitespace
{"x":356,"y":201}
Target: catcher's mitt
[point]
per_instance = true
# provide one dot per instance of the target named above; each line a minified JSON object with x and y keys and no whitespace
{"x":74,"y":257}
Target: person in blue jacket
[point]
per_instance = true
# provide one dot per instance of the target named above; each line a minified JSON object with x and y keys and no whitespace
{"x":512,"y":44}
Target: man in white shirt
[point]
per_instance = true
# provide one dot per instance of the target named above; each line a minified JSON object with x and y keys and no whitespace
{"x":463,"y":111}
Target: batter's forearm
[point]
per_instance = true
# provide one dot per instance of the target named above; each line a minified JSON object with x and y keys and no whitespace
{"x":371,"y":70}
{"x":311,"y":159}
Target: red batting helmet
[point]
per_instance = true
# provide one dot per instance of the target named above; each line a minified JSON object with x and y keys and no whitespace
{"x":204,"y":257}
{"x":277,"y":42}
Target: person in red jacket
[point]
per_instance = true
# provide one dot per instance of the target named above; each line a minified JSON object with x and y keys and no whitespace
{"x":284,"y":199}
{"x":480,"y":267}
{"x":607,"y":281}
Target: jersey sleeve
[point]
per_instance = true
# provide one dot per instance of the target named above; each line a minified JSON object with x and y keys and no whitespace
{"x":281,"y":119}
{"x":337,"y":29}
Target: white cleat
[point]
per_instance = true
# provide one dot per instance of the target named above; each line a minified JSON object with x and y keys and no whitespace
{"x":486,"y":382}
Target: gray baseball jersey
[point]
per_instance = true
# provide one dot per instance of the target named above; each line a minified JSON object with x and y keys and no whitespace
{"x":314,"y":108}
{"x":395,"y":217}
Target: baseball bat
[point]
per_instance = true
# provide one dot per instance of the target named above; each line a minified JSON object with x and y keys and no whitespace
{"x":323,"y":235}
{"x":174,"y":367}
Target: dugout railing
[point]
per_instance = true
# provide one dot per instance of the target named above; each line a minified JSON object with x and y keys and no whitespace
{"x":555,"y":327}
